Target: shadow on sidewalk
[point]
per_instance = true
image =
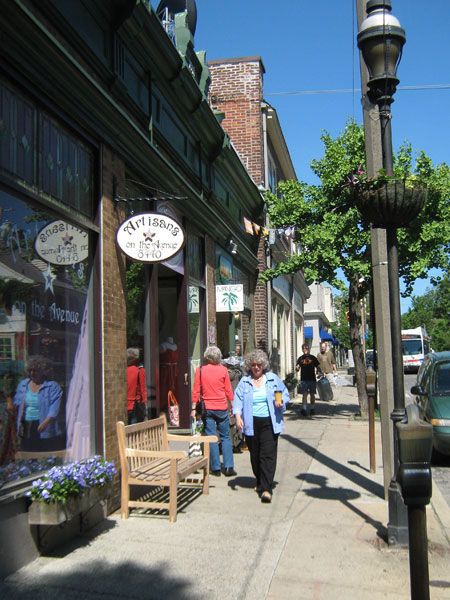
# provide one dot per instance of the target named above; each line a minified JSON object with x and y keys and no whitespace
{"x":371,"y":486}
{"x":98,"y":579}
{"x":322,"y":410}
{"x":343,"y":495}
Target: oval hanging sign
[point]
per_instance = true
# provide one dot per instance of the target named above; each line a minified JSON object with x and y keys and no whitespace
{"x":61,"y":243}
{"x":150,"y":237}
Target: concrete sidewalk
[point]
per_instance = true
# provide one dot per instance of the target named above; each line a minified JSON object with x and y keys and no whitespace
{"x":321,"y":538}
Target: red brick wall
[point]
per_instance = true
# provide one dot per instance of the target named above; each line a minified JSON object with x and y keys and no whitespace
{"x":261,"y":307}
{"x":114,"y":322}
{"x":236,"y":90}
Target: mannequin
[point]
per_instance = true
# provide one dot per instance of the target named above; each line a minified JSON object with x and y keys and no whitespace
{"x":168,"y":369}
{"x":168,"y":344}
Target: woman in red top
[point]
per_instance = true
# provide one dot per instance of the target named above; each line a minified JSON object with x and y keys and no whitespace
{"x":212,"y":383}
{"x":136,"y":388}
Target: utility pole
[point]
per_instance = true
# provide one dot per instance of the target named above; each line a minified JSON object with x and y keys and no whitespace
{"x":380,"y":283}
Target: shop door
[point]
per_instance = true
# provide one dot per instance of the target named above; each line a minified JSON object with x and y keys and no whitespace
{"x":172,"y":334}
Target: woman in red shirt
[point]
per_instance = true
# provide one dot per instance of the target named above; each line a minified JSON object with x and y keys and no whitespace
{"x":136,"y":388}
{"x":212,"y":383}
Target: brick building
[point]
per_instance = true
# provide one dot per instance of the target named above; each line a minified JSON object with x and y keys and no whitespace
{"x":237,"y":91}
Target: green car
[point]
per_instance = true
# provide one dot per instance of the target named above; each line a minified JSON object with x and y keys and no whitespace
{"x":433,"y":397}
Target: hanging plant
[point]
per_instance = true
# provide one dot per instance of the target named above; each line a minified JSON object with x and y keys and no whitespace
{"x":387,"y":201}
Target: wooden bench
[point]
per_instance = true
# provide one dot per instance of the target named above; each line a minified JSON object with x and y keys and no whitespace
{"x":146,"y":460}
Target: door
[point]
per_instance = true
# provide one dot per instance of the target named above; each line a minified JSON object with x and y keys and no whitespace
{"x":172,"y":335}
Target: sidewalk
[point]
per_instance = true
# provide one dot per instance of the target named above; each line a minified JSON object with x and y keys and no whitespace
{"x":321,"y":538}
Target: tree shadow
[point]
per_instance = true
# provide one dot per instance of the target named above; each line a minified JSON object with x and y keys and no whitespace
{"x":343,"y":495}
{"x":355,"y":463}
{"x":371,"y":486}
{"x":96,"y":579}
{"x":322,"y":410}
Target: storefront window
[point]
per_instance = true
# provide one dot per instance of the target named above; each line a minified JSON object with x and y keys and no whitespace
{"x":45,"y":411}
{"x":196,"y":295}
{"x":195,"y":301}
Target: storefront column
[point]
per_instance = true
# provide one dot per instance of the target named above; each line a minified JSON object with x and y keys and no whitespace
{"x":113,"y":298}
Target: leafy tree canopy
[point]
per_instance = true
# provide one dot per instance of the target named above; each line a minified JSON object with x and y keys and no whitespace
{"x":432,"y":310}
{"x":329,"y":228}
{"x":331,"y":234}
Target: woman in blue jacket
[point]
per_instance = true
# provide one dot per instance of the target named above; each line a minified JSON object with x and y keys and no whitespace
{"x":260,"y":416}
{"x":38,"y":404}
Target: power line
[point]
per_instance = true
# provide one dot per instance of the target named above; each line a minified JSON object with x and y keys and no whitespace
{"x":431,"y":86}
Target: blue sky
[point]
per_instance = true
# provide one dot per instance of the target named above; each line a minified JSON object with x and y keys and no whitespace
{"x":308,"y":45}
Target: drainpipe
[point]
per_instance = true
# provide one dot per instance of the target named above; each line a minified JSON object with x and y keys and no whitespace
{"x":266,"y":223}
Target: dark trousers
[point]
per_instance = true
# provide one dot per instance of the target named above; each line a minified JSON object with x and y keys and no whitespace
{"x":263,"y":452}
{"x":31,"y":440}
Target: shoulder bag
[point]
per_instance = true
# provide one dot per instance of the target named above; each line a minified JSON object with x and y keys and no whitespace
{"x":201,"y":409}
{"x":173,"y":409}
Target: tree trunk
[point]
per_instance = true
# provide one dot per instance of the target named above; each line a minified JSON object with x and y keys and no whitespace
{"x":354,"y":310}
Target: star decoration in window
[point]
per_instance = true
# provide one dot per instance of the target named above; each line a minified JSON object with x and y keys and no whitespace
{"x":49,"y":278}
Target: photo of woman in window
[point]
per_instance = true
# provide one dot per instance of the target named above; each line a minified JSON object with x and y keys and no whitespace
{"x":38,"y":403}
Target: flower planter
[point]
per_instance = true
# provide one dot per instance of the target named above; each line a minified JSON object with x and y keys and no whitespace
{"x":55,"y":513}
{"x":393,"y":204}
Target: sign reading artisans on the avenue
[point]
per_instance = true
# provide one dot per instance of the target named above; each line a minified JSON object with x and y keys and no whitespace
{"x":150,"y":237}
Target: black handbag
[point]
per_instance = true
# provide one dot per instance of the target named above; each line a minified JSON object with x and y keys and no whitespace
{"x":200,"y":408}
{"x":140,"y":411}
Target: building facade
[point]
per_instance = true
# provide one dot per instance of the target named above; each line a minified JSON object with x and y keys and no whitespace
{"x":105,"y":118}
{"x":320,"y":313}
{"x":237,"y":92}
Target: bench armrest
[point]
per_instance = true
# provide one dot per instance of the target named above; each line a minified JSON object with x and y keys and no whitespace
{"x":171,"y":437}
{"x":155,"y":453}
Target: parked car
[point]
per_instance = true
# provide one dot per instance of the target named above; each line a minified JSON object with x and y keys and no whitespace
{"x":432,"y":393}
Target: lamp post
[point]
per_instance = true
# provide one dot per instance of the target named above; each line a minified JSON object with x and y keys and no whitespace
{"x":381,"y":40}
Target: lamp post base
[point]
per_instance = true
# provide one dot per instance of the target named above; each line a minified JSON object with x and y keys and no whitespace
{"x":398,"y":517}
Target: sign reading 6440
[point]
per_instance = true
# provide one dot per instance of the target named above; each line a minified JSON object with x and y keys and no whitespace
{"x":150,"y":237}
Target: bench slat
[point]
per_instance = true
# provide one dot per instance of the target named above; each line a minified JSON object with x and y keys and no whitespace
{"x":161,"y":471}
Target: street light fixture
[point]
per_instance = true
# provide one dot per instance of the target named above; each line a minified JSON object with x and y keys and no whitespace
{"x":381,"y":40}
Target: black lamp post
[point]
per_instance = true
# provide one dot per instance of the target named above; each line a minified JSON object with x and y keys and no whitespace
{"x":381,"y":40}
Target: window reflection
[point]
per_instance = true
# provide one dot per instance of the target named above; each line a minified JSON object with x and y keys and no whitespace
{"x":45,"y":413}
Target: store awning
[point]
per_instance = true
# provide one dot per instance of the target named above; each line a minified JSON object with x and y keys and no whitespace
{"x":308,"y":333}
{"x":325,"y":336}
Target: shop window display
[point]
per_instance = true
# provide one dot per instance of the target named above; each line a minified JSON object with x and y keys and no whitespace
{"x":45,"y":411}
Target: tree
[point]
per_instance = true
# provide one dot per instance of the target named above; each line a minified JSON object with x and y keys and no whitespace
{"x":341,"y":328}
{"x":331,"y":234}
{"x":432,"y":310}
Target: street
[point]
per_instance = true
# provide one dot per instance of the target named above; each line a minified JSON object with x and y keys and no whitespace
{"x":441,"y":467}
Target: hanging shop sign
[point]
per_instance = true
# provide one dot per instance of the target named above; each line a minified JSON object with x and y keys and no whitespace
{"x":61,"y":243}
{"x":150,"y":237}
{"x":230,"y":298}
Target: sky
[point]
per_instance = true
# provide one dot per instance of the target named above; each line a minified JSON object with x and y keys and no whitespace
{"x":311,"y":46}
